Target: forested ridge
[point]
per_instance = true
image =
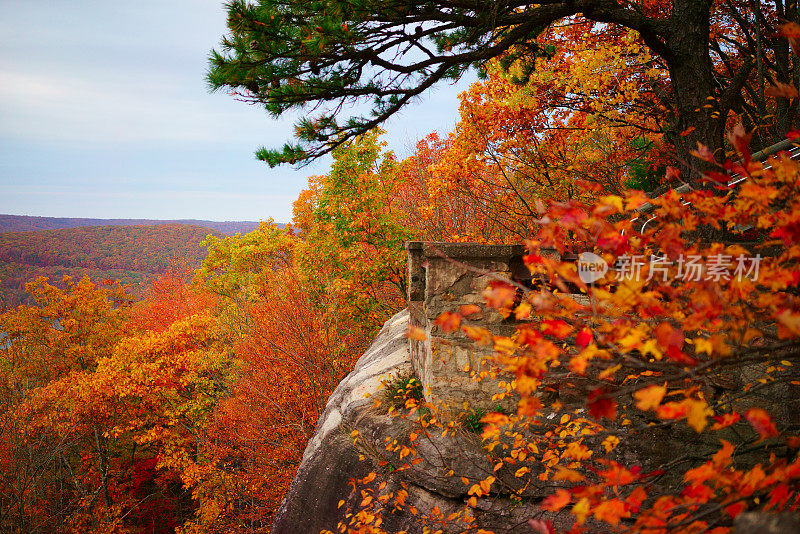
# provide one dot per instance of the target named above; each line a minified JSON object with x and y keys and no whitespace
{"x":28,"y":223}
{"x":187,"y":408}
{"x":132,"y":254}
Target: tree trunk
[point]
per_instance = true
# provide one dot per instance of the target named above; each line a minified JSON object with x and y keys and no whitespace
{"x":692,"y":76}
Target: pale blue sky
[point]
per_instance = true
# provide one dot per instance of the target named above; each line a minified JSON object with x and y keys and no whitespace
{"x":104,"y":113}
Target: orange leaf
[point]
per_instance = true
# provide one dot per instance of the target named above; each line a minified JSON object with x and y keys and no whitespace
{"x":556,"y":502}
{"x":500,"y":295}
{"x":416,"y":333}
{"x":650,"y":397}
{"x":529,"y":406}
{"x":556,"y":328}
{"x":468,"y":309}
{"x":697,"y":412}
{"x":617,"y":475}
{"x":570,"y":475}
{"x":782,"y":90}
{"x":448,"y":322}
{"x":611,"y":511}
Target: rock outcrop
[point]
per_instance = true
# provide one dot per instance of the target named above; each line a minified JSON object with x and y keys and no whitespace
{"x":331,"y":459}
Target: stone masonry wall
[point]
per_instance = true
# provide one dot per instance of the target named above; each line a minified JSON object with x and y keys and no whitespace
{"x":443,"y":277}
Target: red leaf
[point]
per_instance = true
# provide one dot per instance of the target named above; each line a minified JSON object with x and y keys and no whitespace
{"x":725,"y":420}
{"x":556,"y":502}
{"x":556,"y":328}
{"x":583,"y":338}
{"x":600,"y":405}
{"x":499,"y":295}
{"x":762,"y":422}
{"x":448,"y":321}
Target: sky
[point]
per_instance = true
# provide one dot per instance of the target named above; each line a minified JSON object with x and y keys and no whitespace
{"x":105,"y":113}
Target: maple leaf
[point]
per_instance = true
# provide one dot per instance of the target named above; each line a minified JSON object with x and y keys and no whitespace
{"x":735,"y":509}
{"x":617,"y":475}
{"x":611,"y":511}
{"x":495,"y":418}
{"x":600,"y":404}
{"x":578,"y":365}
{"x":741,"y":141}
{"x":790,"y":30}
{"x":789,"y":324}
{"x":700,"y":474}
{"x":697,"y":412}
{"x":554,"y":503}
{"x":703,"y":153}
{"x":578,"y":451}
{"x":699,"y":493}
{"x":448,"y":321}
{"x":569,"y":475}
{"x":555,"y":327}
{"x":500,"y":295}
{"x":671,"y":410}
{"x":581,"y":510}
{"x":650,"y":397}
{"x":416,"y":333}
{"x":725,"y":420}
{"x":480,"y":335}
{"x":778,"y":496}
{"x":468,"y":309}
{"x":583,"y":338}
{"x":636,"y":498}
{"x":762,"y":422}
{"x":529,"y":406}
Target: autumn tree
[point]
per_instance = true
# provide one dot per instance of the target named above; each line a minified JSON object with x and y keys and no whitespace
{"x":64,"y":333}
{"x":285,"y":55}
{"x":351,"y":237}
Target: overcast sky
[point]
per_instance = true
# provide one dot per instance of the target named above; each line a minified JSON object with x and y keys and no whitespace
{"x":104,"y":112}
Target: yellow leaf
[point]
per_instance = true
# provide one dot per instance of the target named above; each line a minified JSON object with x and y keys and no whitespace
{"x":651,"y":347}
{"x":697,"y":414}
{"x":610,"y":371}
{"x":610,"y":442}
{"x":703,"y":345}
{"x":522,"y":471}
{"x":570,"y":475}
{"x":650,"y":397}
{"x":581,"y":510}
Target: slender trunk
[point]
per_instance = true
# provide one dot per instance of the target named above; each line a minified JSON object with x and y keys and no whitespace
{"x":102,"y":452}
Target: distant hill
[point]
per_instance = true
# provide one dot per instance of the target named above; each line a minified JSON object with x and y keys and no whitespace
{"x":132,"y":254}
{"x":27,"y":223}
